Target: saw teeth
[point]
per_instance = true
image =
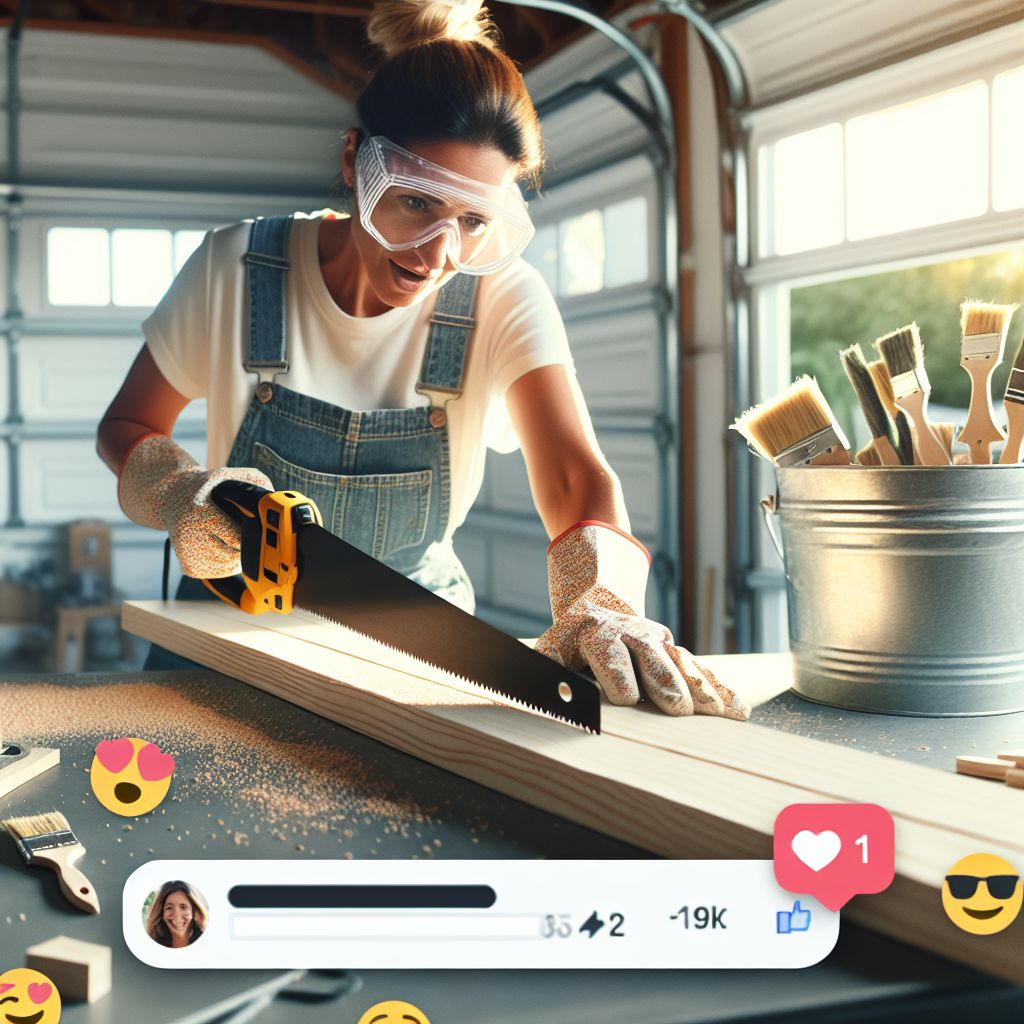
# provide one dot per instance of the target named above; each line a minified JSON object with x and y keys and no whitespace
{"x":472,"y":684}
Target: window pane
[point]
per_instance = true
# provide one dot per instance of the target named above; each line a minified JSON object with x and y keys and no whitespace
{"x":625,"y":233}
{"x":542,"y":253}
{"x":825,"y":318}
{"x":142,"y":266}
{"x":581,"y":250}
{"x":185,"y":243}
{"x":923,"y":163}
{"x":1008,"y":141}
{"x":807,"y":190}
{"x":78,"y":267}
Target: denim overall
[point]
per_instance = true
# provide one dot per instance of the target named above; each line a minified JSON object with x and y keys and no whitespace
{"x":380,"y":478}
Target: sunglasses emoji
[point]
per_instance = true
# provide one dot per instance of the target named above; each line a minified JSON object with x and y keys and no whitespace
{"x":982,"y":894}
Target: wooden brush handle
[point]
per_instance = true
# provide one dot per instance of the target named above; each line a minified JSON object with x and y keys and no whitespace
{"x":77,"y":889}
{"x":980,"y":431}
{"x":1012,"y":450}
{"x":883,"y":448}
{"x":930,"y":451}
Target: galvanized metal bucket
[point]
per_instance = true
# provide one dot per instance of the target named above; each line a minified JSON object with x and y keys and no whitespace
{"x":905,"y":586}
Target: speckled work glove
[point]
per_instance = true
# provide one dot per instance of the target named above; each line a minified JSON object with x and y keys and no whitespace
{"x":597,"y":576}
{"x":162,"y":486}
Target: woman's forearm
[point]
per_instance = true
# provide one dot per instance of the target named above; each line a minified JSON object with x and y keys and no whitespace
{"x":146,"y":404}
{"x":592,"y":493}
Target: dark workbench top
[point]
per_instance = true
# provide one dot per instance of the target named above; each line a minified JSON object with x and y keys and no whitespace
{"x":259,"y":778}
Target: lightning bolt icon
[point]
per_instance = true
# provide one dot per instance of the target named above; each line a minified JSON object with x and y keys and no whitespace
{"x":592,"y":925}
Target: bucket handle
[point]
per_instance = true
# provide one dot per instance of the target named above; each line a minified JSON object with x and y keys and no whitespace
{"x":769,"y":506}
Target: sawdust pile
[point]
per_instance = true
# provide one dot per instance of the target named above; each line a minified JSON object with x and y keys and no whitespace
{"x":280,"y":781}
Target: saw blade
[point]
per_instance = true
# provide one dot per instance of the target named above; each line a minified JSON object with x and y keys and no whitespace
{"x":344,"y":585}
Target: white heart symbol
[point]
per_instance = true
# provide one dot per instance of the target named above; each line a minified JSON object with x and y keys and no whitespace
{"x":816,"y":849}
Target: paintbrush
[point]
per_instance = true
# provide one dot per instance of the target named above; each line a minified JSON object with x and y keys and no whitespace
{"x":984,"y":326}
{"x":883,"y":388}
{"x":903,"y":354}
{"x":871,"y":405}
{"x":46,"y":841}
{"x":1014,"y":404}
{"x":796,"y":428}
{"x":947,"y":434}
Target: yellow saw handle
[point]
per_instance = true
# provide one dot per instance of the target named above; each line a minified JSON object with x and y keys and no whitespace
{"x":270,"y":522}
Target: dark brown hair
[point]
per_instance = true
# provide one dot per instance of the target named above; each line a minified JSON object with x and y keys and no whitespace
{"x":445,"y":78}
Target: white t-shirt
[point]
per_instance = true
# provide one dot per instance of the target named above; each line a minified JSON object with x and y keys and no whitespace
{"x":197,"y":336}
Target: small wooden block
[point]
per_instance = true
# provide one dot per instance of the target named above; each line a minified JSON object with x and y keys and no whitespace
{"x":80,"y":970}
{"x":17,"y":773}
{"x":1016,"y":756}
{"x":1015,"y":778}
{"x":983,"y":767}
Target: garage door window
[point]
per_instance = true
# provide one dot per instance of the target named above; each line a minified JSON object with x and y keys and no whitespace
{"x":125,"y":267}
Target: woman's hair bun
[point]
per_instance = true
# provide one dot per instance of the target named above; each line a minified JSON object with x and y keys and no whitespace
{"x":397,"y":25}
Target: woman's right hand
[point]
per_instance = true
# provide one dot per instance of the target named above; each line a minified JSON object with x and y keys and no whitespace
{"x":162,"y":486}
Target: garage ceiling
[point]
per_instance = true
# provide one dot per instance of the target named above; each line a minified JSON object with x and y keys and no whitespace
{"x":324,"y":38}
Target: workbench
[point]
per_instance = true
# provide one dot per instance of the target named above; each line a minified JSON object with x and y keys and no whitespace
{"x":423,"y":811}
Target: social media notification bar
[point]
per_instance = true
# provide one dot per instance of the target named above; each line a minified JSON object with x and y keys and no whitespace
{"x":472,"y":914}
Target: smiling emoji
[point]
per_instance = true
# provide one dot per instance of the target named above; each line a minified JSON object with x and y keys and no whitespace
{"x":28,"y":997}
{"x":982,"y":894}
{"x":394,"y":1011}
{"x":130,"y":776}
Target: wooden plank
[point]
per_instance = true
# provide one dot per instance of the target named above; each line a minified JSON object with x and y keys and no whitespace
{"x":37,"y":761}
{"x":685,"y":788}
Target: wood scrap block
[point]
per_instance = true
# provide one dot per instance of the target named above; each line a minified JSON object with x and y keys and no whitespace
{"x":18,"y":772}
{"x":1015,"y":778}
{"x":1016,"y":756}
{"x":80,"y":970}
{"x":982,"y":767}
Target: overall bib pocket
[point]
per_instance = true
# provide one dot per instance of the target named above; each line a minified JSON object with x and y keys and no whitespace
{"x":379,"y":513}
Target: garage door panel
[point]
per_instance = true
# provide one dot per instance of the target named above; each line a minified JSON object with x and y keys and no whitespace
{"x":472,"y":549}
{"x":510,"y":485}
{"x":520,"y":574}
{"x":65,"y":480}
{"x":616,"y":361}
{"x":64,"y":379}
{"x":635,"y":461}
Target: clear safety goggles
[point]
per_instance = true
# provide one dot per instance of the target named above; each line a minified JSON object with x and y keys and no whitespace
{"x":404,"y":202}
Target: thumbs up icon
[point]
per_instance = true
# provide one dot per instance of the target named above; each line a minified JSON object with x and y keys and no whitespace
{"x":795,"y":920}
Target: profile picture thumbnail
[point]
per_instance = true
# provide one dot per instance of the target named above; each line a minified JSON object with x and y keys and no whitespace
{"x":175,"y":915}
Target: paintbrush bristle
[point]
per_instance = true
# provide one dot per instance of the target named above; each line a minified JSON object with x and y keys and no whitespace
{"x":883,"y":386}
{"x":902,"y":350}
{"x":867,"y":456}
{"x":985,"y":318}
{"x":860,"y":378}
{"x":797,"y":414}
{"x":36,"y":825}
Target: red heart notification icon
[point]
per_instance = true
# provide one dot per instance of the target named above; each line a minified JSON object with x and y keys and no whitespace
{"x":154,"y":765}
{"x":39,"y":992}
{"x":115,"y":755}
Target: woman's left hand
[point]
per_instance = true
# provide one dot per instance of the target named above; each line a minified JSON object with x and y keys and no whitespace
{"x":597,"y":576}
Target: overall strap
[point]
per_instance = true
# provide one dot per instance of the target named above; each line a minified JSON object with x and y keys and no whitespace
{"x":266,"y":263}
{"x":451,"y":326}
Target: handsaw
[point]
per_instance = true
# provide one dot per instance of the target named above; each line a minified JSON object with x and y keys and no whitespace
{"x":289,"y":560}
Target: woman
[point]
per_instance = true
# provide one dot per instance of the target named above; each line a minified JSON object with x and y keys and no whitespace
{"x":369,"y":361}
{"x":177,"y":917}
